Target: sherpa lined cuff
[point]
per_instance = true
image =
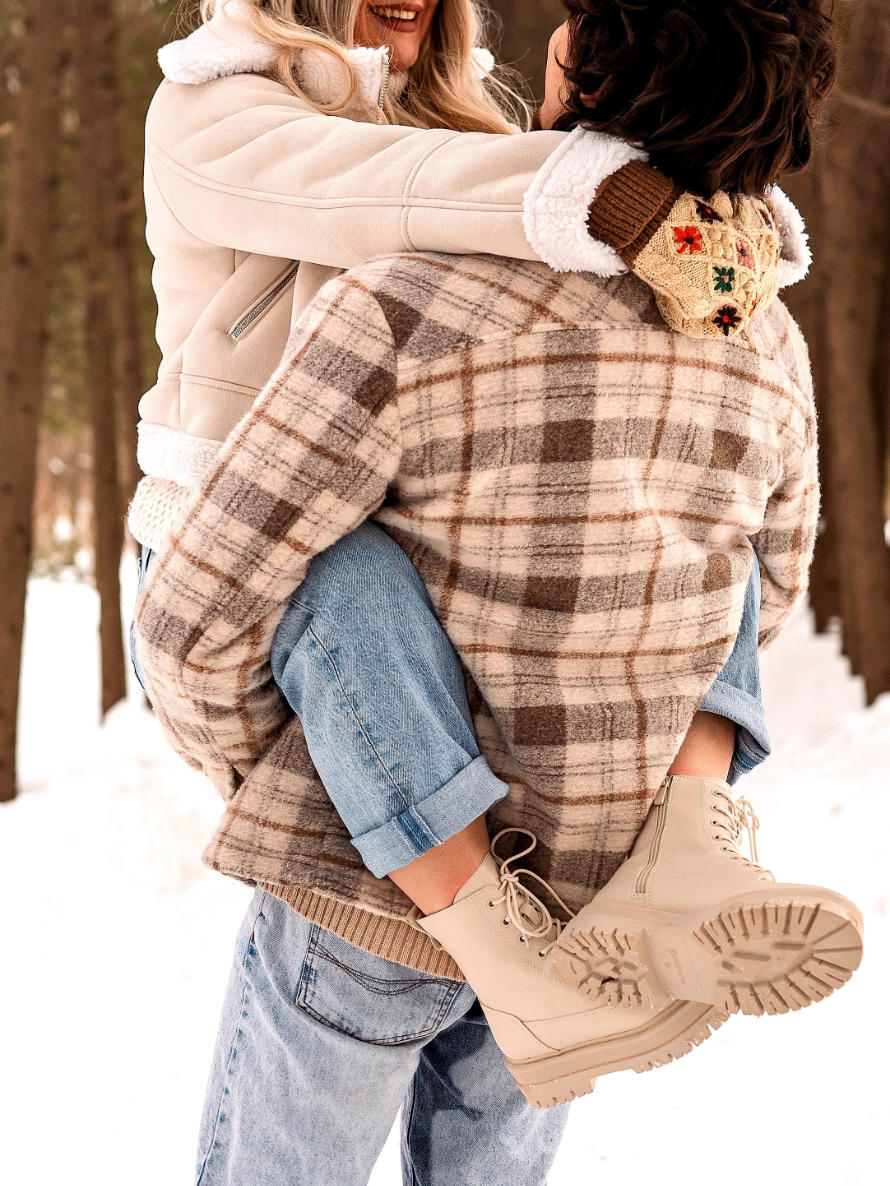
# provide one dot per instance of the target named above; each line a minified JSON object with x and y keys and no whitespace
{"x":629,"y":207}
{"x":556,"y":207}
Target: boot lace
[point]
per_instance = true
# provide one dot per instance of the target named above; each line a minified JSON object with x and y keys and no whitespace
{"x":525,"y":910}
{"x":730,"y":818}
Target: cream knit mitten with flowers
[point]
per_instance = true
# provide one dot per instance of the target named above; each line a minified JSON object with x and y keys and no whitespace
{"x":711,"y":263}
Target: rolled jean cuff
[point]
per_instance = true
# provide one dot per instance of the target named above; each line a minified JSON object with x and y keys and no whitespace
{"x":752,"y":738}
{"x":432,"y":820}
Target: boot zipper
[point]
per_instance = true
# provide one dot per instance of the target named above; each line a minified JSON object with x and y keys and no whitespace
{"x":243,"y":325}
{"x":661,"y":803}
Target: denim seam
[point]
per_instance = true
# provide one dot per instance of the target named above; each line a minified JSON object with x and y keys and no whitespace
{"x":238,"y":1035}
{"x":448,"y":999}
{"x":310,"y":609}
{"x":409,"y":1127}
{"x":745,"y":751}
{"x":415,"y":827}
{"x":425,"y":834}
{"x":250,"y":952}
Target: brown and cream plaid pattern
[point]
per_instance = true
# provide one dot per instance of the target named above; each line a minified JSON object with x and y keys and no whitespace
{"x":575,"y":483}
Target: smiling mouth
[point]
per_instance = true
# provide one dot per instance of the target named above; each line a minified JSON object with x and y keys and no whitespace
{"x":402,"y":19}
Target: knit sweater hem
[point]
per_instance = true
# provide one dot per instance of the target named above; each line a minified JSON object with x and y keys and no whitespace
{"x":378,"y":934}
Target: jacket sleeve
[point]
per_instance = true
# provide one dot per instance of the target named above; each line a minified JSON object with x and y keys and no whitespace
{"x":786,"y":541}
{"x":242,"y":163}
{"x":309,"y":463}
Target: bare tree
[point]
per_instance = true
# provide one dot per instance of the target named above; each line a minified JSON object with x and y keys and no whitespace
{"x":808,"y":304}
{"x":97,"y":186}
{"x":24,"y":302}
{"x":123,"y":274}
{"x":841,"y":307}
{"x":526,"y":26}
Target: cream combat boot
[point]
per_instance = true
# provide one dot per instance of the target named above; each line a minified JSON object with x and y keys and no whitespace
{"x":687,"y":917}
{"x":555,"y":1041}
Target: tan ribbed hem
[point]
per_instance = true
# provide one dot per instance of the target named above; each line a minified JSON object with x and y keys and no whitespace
{"x":379,"y":934}
{"x":157,"y":507}
{"x":629,"y":207}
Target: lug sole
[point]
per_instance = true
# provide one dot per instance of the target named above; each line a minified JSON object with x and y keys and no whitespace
{"x":559,"y":1078}
{"x":755,"y":955}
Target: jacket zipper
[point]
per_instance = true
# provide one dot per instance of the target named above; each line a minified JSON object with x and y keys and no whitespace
{"x":661,"y":803}
{"x":256,"y":311}
{"x":384,"y":86}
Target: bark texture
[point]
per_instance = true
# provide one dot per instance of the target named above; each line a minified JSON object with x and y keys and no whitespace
{"x":24,"y":304}
{"x":97,"y":185}
{"x":843,"y":315}
{"x":526,"y":31}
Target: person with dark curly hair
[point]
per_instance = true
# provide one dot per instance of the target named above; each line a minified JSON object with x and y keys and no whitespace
{"x":720,"y":96}
{"x":582,"y":498}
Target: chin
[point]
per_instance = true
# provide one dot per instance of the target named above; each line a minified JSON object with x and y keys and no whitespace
{"x":403,"y":57}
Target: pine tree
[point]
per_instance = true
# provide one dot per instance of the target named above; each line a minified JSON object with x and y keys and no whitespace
{"x":97,"y":187}
{"x":24,"y":304}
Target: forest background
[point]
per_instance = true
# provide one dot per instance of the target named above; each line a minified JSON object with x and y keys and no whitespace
{"x":77,"y":311}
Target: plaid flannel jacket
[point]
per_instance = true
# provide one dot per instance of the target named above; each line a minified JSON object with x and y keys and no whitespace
{"x":577,"y":486}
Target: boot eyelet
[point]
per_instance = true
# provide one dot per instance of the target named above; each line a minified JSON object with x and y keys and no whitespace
{"x":506,"y":922}
{"x":523,"y":939}
{"x":542,"y":955}
{"x":492,"y":903}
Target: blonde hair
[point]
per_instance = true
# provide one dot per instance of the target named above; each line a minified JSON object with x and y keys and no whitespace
{"x":444,"y":88}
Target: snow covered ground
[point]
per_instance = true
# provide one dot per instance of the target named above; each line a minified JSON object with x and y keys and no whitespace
{"x":116,"y":946}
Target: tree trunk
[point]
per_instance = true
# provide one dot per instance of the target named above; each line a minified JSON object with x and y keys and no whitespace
{"x":807,"y":303}
{"x":882,"y":372}
{"x":97,"y":187}
{"x":855,"y":323}
{"x":126,"y":296}
{"x":24,"y":300}
{"x":527,"y":28}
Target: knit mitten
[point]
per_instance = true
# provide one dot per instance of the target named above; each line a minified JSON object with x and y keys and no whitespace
{"x":710,"y":263}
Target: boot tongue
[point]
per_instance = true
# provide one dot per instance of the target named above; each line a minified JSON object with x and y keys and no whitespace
{"x":487,"y":874}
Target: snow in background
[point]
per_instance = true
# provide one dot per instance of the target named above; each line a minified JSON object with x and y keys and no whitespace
{"x":116,"y":946}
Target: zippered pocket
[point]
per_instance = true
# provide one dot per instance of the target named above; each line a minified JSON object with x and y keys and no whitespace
{"x":263,"y":303}
{"x":660,"y":804}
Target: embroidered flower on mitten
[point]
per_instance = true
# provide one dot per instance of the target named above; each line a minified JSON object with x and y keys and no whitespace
{"x":687,"y":238}
{"x":727,"y":319}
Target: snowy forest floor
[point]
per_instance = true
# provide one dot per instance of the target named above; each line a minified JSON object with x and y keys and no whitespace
{"x":117,"y":944}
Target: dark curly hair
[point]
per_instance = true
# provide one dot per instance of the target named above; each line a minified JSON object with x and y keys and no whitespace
{"x":722,"y":94}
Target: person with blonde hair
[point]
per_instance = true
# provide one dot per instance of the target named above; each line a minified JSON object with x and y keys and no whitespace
{"x":330,"y":132}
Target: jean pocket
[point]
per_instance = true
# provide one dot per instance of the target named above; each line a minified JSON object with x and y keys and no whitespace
{"x":368,"y":997}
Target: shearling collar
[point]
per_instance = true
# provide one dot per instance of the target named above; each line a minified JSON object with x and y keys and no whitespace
{"x":226,"y":45}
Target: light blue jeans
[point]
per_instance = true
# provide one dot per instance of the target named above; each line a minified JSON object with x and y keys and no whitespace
{"x":366,"y":666}
{"x":320,"y":1044}
{"x":363,"y":661}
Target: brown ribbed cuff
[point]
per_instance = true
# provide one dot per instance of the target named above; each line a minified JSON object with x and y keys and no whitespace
{"x":629,"y":207}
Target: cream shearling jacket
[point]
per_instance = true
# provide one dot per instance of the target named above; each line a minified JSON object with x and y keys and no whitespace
{"x":254,"y":200}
